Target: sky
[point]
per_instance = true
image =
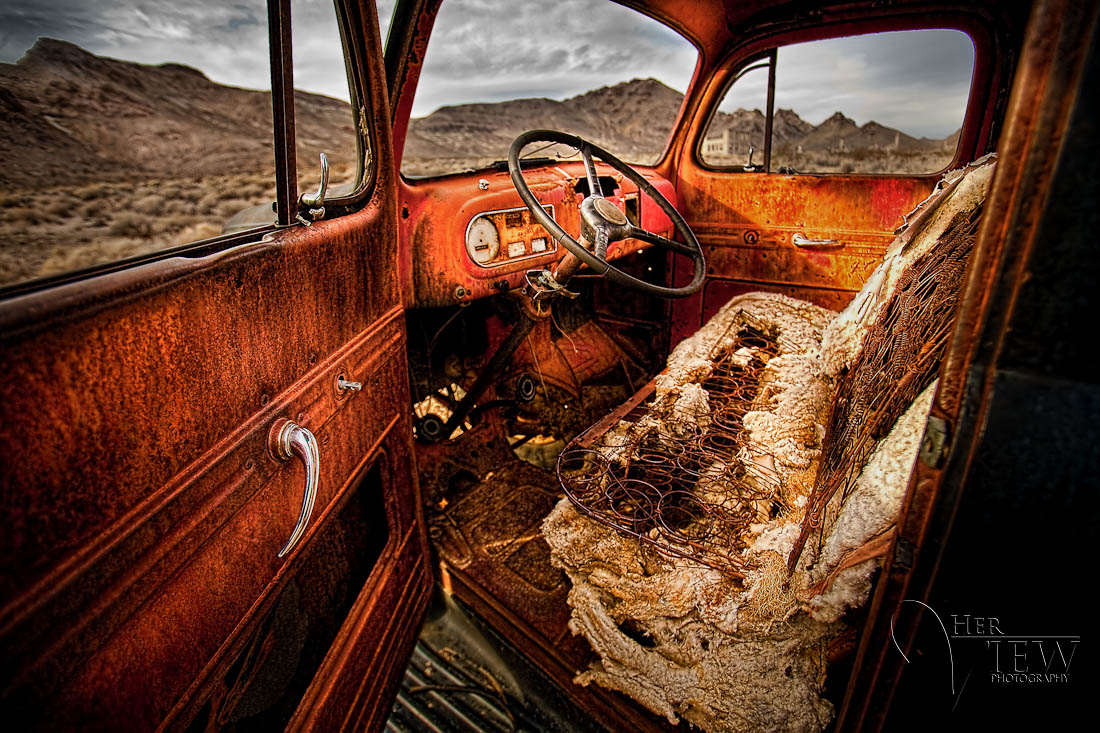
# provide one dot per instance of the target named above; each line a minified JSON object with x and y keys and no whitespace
{"x":491,"y":50}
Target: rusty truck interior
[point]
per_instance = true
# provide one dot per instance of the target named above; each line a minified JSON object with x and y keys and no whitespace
{"x":647,"y":409}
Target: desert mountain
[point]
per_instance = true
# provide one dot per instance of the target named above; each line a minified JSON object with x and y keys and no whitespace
{"x":631,"y":119}
{"x":620,"y":117}
{"x":841,"y":133}
{"x":788,"y":127}
{"x":68,"y":116}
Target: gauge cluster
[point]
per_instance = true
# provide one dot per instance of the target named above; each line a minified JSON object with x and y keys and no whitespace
{"x":504,"y":236}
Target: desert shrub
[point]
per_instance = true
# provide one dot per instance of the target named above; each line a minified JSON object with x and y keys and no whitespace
{"x":92,"y":209}
{"x":229,"y":207}
{"x":190,"y":193}
{"x":73,"y":227}
{"x":177,"y":206}
{"x":192,"y":233}
{"x":93,"y":192}
{"x":68,"y":258}
{"x":63,"y":206}
{"x":209,"y":201}
{"x":247,"y":187}
{"x":24,"y":215}
{"x":150,"y":205}
{"x":130,"y":224}
{"x":159,"y":225}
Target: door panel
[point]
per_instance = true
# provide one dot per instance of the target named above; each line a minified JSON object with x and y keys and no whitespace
{"x":143,"y":507}
{"x":746,"y":223}
{"x":129,"y":386}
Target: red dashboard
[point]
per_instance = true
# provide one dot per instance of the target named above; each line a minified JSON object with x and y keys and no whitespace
{"x":471,"y":236}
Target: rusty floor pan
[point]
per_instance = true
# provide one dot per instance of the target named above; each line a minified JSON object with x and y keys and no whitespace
{"x":493,"y":557}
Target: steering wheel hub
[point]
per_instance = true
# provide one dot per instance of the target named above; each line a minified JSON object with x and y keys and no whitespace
{"x":609,"y":211}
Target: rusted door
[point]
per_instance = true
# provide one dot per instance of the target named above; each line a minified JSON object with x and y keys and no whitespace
{"x":145,"y":498}
{"x":787,"y":199}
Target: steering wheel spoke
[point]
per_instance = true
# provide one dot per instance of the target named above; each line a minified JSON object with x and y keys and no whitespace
{"x":651,"y":238}
{"x":602,"y":241}
{"x":602,"y":222}
{"x":594,"y":188}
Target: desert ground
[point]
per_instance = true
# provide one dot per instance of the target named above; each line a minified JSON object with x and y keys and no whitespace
{"x":66,"y":228}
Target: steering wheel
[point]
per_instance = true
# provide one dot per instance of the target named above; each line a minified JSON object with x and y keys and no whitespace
{"x":602,"y":222}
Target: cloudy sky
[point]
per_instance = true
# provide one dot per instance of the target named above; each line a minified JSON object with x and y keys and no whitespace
{"x":489,"y":50}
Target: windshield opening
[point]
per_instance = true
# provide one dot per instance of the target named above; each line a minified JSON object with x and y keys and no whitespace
{"x":595,"y":69}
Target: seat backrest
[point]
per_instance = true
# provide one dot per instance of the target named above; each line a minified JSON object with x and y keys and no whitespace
{"x":888,"y":345}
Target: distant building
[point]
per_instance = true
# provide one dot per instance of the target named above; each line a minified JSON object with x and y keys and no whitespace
{"x":717,"y":145}
{"x":729,"y":143}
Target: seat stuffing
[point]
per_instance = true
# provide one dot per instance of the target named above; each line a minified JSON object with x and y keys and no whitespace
{"x":717,"y":528}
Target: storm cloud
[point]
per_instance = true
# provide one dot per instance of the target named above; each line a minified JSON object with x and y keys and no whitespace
{"x":226,"y":41}
{"x":915,"y":81}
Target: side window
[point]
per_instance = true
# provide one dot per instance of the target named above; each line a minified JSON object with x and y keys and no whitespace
{"x":127,"y":133}
{"x":888,"y":103}
{"x":735,"y":137}
{"x":324,"y":116}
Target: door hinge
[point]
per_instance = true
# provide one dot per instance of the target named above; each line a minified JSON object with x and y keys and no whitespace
{"x":936,"y":442}
{"x":904,"y":552}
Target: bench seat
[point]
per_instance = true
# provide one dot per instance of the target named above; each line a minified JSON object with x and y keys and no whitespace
{"x":717,"y":528}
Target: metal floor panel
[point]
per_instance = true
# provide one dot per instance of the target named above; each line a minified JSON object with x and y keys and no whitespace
{"x":462,"y":677}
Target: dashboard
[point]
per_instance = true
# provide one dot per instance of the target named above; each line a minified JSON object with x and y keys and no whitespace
{"x":470,"y":236}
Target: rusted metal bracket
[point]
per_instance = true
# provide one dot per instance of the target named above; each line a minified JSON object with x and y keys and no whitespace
{"x":936,"y":442}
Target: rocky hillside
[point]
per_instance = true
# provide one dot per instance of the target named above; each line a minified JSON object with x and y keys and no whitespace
{"x":632,"y":119}
{"x":68,"y":116}
{"x":748,"y":125}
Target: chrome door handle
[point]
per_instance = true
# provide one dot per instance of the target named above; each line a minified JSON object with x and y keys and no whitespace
{"x":315,"y":202}
{"x":289,"y":440}
{"x":801,"y":240}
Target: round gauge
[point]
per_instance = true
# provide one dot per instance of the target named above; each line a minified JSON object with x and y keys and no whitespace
{"x":482,"y":240}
